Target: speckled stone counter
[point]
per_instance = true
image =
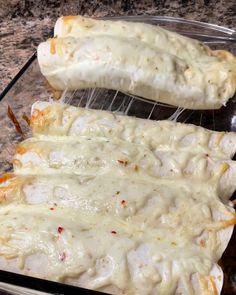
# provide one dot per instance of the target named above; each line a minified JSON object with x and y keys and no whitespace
{"x":24,"y":23}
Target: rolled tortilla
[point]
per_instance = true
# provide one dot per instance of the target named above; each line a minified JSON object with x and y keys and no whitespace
{"x":75,"y":191}
{"x":43,"y":250}
{"x":136,"y":68}
{"x":63,"y":120}
{"x":172,"y":69}
{"x":173,"y":43}
{"x":99,"y":156}
{"x":35,"y":266}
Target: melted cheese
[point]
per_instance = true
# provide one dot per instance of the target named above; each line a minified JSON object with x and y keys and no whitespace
{"x":62,"y":120}
{"x":167,"y":41}
{"x":195,"y":78}
{"x":98,"y":156}
{"x":131,"y":200}
{"x":71,"y":252}
{"x":121,"y":214}
{"x":140,"y":249}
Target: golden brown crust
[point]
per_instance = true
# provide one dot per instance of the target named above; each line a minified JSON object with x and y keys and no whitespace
{"x":40,"y":118}
{"x":224,"y":55}
{"x":84,"y":21}
{"x":230,"y":222}
{"x":20,"y":149}
{"x":229,"y":57}
{"x":224,"y":168}
{"x":6,"y":177}
{"x":212,"y":285}
{"x":69,"y":18}
{"x":53,"y":42}
{"x":5,"y":191}
{"x":16,"y":163}
{"x":208,"y":285}
{"x":3,"y":196}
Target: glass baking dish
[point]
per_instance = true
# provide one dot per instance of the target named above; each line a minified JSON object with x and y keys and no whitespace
{"x":29,"y":86}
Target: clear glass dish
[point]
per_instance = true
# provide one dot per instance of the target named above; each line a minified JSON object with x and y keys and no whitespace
{"x":29,"y":86}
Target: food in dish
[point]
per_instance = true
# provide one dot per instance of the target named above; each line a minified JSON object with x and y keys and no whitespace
{"x":62,"y":119}
{"x":110,"y":209}
{"x":138,"y":59}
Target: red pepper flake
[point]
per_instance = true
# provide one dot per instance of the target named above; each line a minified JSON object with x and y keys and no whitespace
{"x":123,"y":203}
{"x":123,"y":162}
{"x":51,"y":208}
{"x":203,"y":243}
{"x":62,"y":256}
{"x":113,"y":232}
{"x":60,"y":229}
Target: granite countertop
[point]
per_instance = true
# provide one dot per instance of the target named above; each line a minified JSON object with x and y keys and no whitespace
{"x":25,"y":23}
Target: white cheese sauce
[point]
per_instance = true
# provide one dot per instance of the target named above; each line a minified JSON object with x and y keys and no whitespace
{"x":119,"y":214}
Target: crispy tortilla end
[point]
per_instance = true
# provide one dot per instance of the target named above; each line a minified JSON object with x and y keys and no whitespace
{"x":17,"y":163}
{"x":6,"y":177}
{"x":69,"y":18}
{"x":38,"y":118}
{"x":20,"y":149}
{"x":229,"y":222}
{"x":223,"y":54}
{"x":53,"y":43}
{"x":208,"y":285}
{"x":224,"y":168}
